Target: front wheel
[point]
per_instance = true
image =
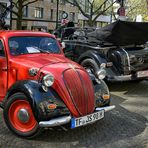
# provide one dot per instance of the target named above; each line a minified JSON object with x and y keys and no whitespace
{"x":19,"y":117}
{"x":90,"y":65}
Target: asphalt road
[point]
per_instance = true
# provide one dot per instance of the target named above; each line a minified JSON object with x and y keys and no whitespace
{"x":124,"y":127}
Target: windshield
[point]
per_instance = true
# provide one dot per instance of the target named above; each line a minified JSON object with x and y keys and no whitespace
{"x":28,"y":45}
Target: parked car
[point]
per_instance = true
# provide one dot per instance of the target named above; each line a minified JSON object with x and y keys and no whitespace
{"x":119,"y":45}
{"x":40,"y":88}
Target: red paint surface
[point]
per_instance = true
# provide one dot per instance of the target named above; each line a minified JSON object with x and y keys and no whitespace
{"x":54,"y":63}
{"x":13,"y":116}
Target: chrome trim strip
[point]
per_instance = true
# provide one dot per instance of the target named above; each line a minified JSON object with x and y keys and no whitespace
{"x":120,"y":78}
{"x":106,"y":109}
{"x":128,"y":59}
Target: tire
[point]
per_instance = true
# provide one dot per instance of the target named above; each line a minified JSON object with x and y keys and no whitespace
{"x":91,"y":65}
{"x":25,"y":126}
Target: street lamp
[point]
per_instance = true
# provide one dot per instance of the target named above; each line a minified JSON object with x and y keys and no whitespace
{"x":57,"y":16}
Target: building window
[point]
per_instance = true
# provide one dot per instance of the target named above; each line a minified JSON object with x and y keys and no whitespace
{"x":25,"y":11}
{"x":60,"y":14}
{"x":51,"y":15}
{"x":72,"y":16}
{"x":38,"y":12}
{"x":87,"y":7}
{"x":63,"y":2}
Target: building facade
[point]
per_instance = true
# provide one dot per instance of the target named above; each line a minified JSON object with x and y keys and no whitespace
{"x":42,"y":15}
{"x":101,"y":20}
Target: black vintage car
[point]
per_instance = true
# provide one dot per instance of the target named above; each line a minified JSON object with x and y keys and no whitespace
{"x":119,"y":45}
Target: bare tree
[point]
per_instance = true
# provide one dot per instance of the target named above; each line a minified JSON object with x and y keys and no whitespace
{"x":19,"y":6}
{"x":137,"y":7}
{"x":95,"y":7}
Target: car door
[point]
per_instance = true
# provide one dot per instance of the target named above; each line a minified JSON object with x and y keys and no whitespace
{"x":3,"y":71}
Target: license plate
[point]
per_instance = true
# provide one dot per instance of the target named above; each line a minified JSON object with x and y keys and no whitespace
{"x":76,"y":122}
{"x":142,"y":74}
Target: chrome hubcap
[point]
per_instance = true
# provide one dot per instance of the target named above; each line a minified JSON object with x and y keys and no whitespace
{"x":23,"y":115}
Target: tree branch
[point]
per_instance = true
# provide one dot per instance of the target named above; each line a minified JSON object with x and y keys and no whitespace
{"x":28,"y":3}
{"x":94,"y":19}
{"x":5,"y":7}
{"x":99,"y":7}
{"x":76,"y":3}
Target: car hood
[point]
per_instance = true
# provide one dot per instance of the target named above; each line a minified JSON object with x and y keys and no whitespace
{"x":40,"y":60}
{"x":72,"y":83}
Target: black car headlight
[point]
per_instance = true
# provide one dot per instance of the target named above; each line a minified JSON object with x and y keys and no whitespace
{"x":101,"y":74}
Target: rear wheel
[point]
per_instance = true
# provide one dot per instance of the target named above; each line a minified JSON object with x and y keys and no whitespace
{"x":19,"y":117}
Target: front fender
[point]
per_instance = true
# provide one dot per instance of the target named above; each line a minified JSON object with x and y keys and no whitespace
{"x":102,"y":94}
{"x":96,"y":55}
{"x":39,"y":100}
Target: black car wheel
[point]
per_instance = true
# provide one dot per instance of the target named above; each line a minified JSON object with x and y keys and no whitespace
{"x":19,"y":117}
{"x":90,"y":65}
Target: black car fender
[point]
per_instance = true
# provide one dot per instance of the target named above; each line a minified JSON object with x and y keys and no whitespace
{"x":97,"y":58}
{"x":39,"y":99}
{"x":92,"y":54}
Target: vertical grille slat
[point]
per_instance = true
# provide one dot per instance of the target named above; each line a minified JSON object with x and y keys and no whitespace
{"x":80,"y":90}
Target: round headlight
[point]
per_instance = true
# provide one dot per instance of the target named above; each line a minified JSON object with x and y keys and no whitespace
{"x":48,"y":80}
{"x":101,"y":74}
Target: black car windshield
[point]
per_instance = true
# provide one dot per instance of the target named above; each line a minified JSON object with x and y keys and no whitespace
{"x":29,"y":45}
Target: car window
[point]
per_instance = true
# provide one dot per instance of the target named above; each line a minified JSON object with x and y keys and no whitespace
{"x":29,"y":45}
{"x":2,"y":53}
{"x":49,"y":44}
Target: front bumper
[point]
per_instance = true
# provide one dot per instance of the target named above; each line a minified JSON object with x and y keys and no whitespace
{"x":66,"y":119}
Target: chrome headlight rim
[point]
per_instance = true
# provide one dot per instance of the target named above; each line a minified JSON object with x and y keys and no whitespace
{"x":48,"y":80}
{"x":101,"y":74}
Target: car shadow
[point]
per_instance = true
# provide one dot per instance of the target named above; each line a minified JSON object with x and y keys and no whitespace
{"x":117,"y":125}
{"x":130,"y":88}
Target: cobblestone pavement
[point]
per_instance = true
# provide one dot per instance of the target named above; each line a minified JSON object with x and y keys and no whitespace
{"x":124,"y":127}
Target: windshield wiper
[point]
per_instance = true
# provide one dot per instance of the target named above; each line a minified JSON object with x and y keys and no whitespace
{"x":41,"y":50}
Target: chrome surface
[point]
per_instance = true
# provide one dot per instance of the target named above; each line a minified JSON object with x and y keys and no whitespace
{"x":23,"y":115}
{"x":66,"y":119}
{"x":128,"y":59}
{"x":55,"y":122}
{"x":120,"y":78}
{"x":106,"y":109}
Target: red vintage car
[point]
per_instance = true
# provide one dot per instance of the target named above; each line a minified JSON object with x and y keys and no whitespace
{"x":40,"y":88}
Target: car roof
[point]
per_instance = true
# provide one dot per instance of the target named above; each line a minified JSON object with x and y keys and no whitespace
{"x":11,"y":33}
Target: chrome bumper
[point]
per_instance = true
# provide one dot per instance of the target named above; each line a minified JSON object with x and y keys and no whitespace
{"x":55,"y":122}
{"x":120,"y":78}
{"x":106,"y":109}
{"x":66,"y":119}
